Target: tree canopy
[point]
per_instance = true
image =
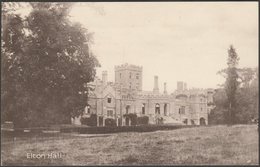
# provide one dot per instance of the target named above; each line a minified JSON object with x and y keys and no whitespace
{"x":46,"y":65}
{"x":237,"y":100}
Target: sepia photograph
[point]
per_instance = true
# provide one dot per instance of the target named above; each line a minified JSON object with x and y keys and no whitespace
{"x":129,"y":83}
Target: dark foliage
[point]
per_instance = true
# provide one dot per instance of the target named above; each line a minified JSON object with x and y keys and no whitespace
{"x":110,"y":122}
{"x":91,"y":121}
{"x":144,"y":120}
{"x":132,"y":117}
{"x":45,"y":66}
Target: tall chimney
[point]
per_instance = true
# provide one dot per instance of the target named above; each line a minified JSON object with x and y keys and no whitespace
{"x":185,"y":85}
{"x":104,"y":77}
{"x":180,"y":85}
{"x":156,"y":88}
{"x":165,"y":91}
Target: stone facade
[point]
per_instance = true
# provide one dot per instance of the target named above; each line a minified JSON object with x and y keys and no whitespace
{"x":125,"y":95}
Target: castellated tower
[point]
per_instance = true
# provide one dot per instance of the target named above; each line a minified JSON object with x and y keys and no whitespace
{"x":129,"y":76}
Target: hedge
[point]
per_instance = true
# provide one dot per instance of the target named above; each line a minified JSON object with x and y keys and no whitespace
{"x":140,"y":128}
{"x":110,"y":122}
{"x":144,"y":120}
{"x":132,"y":117}
{"x":91,"y":121}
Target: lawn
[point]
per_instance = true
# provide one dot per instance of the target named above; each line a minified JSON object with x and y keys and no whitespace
{"x":198,"y":145}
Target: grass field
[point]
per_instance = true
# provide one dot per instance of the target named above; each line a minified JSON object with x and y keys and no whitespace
{"x":199,"y":145}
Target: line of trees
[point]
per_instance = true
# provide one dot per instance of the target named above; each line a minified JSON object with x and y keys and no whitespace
{"x":45,"y":65}
{"x":237,"y":100}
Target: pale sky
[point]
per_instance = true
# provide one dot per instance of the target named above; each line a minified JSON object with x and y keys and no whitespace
{"x":178,"y":41}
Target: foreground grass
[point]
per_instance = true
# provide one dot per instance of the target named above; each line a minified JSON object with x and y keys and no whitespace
{"x":201,"y":145}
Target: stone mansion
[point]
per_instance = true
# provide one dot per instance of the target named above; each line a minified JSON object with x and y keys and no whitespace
{"x":125,"y":95}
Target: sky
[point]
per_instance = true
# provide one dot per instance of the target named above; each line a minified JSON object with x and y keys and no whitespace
{"x":177,"y":41}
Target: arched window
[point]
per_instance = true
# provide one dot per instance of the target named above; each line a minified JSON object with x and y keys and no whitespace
{"x":143,"y":108}
{"x":157,"y":108}
{"x":182,"y":110}
{"x":165,"y":109}
{"x":127,"y":109}
{"x":87,"y":109}
{"x":202,"y":121}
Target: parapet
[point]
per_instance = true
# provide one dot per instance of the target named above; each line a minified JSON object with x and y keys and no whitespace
{"x":128,"y":66}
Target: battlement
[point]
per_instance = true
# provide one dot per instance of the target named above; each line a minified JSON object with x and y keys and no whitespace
{"x":152,"y":95}
{"x":128,"y":66}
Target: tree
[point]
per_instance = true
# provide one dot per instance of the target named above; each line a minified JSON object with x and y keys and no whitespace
{"x":247,"y":96}
{"x":232,"y":83}
{"x":13,"y":40}
{"x":46,"y":64}
{"x":246,"y":75}
{"x":219,"y":115}
{"x":246,"y":99}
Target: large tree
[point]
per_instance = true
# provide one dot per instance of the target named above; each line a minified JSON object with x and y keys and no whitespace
{"x":232,"y":83}
{"x":247,"y":95}
{"x":46,"y":64}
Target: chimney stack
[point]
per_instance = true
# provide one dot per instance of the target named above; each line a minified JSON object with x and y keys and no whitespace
{"x":104,"y":77}
{"x":156,"y":88}
{"x":165,"y":91}
{"x":180,"y":85}
{"x":185,"y":85}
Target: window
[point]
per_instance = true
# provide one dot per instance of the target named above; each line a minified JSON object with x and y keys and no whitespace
{"x":143,"y":108}
{"x":120,"y":75}
{"x":182,"y":110}
{"x":127,"y":109}
{"x":201,"y":109}
{"x":88,"y":109}
{"x":130,"y":76}
{"x":185,"y":121}
{"x":165,"y":109}
{"x":137,"y":76}
{"x":110,"y":113}
{"x":109,"y":100}
{"x":157,"y":109}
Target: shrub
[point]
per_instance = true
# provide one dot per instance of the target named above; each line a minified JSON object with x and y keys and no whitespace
{"x":110,"y":122}
{"x":160,"y":120}
{"x":144,"y":120}
{"x":185,"y":121}
{"x":91,"y":121}
{"x":100,"y":121}
{"x":132,"y":117}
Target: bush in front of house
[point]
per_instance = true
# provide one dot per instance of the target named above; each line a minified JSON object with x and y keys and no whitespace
{"x":142,"y":128}
{"x":91,"y":121}
{"x":132,"y":117}
{"x":160,"y":120}
{"x":144,"y":120}
{"x":110,"y":122}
